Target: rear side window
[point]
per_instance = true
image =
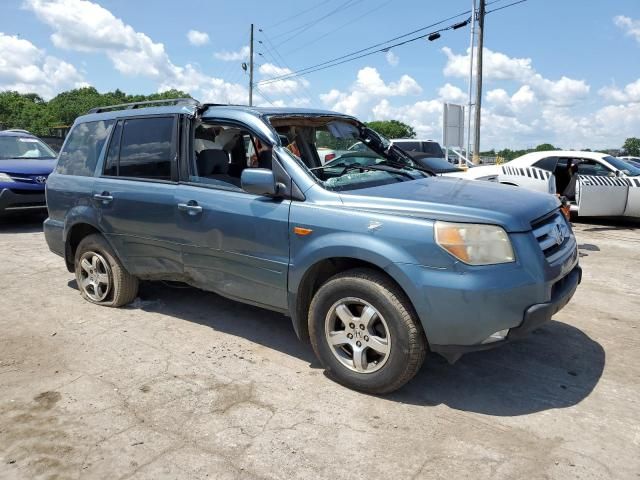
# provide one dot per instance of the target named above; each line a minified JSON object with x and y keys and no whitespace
{"x":146,"y":148}
{"x":548,"y":163}
{"x":82,"y":149}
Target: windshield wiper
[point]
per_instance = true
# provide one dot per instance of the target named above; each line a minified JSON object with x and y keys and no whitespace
{"x":415,"y":166}
{"x":385,"y":168}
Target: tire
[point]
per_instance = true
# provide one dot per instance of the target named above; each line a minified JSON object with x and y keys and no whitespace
{"x":392,"y":343}
{"x":100,"y":276}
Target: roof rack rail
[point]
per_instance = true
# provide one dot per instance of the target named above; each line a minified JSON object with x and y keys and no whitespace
{"x":17,"y":130}
{"x":147,"y":103}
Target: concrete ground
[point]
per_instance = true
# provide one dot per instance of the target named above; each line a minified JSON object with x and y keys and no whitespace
{"x":185,"y":384}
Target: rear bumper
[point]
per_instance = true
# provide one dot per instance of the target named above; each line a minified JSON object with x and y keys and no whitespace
{"x":534,"y":316}
{"x":53,"y":234}
{"x":10,"y":201}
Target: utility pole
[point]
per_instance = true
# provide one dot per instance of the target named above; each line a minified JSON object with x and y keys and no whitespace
{"x":470,"y":92}
{"x":476,"y":149}
{"x":251,"y":68}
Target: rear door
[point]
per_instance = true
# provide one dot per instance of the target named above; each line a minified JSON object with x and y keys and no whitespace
{"x":599,"y":192}
{"x":135,"y":195}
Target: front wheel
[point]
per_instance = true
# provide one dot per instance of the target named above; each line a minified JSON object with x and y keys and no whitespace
{"x":100,"y":276}
{"x":365,"y":333}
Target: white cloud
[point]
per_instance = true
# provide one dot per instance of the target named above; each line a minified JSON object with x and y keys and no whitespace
{"x":287,"y":86}
{"x":630,"y":93}
{"x":452,"y":94}
{"x":366,"y":90}
{"x":86,"y":26}
{"x":27,"y":69}
{"x":242,"y":54}
{"x":500,"y":67}
{"x":197,"y":38}
{"x":392,"y":58}
{"x":629,"y":25}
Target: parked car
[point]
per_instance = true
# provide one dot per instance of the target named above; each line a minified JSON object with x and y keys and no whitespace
{"x":438,"y":166}
{"x":603,"y":185}
{"x":531,"y":178}
{"x":25,"y":164}
{"x":375,"y":265}
{"x":635,"y":161}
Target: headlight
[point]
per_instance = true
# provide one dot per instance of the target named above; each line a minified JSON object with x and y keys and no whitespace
{"x":5,"y":178}
{"x":475,"y":244}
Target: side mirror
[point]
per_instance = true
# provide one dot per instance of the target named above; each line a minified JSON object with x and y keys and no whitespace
{"x":259,"y":181}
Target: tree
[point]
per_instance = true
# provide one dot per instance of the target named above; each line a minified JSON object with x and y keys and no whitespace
{"x":392,"y":129}
{"x":545,"y":147}
{"x":28,"y":111}
{"x":632,"y":146}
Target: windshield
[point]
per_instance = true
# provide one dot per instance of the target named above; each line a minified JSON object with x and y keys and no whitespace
{"x":626,"y":167}
{"x":24,"y":147}
{"x":342,"y":154}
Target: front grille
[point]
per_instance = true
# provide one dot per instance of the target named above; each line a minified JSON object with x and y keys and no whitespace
{"x":554,"y":236}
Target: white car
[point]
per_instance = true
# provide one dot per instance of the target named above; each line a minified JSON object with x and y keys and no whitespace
{"x":531,"y":177}
{"x":604,"y":185}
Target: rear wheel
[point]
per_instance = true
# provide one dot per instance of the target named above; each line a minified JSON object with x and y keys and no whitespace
{"x":365,"y":332}
{"x":100,"y":276}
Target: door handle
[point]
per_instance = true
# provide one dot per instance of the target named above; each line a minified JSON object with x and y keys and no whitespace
{"x":191,"y":207}
{"x":104,"y":197}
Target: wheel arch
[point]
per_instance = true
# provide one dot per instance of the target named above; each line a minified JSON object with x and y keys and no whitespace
{"x":73,"y":236}
{"x":318,"y":273}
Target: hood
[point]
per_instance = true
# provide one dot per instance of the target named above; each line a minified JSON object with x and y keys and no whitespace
{"x":27,"y":167}
{"x":456,"y":200}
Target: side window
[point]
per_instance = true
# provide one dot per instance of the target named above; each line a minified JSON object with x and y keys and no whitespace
{"x":591,"y":167}
{"x":113,"y":154}
{"x":548,"y":163}
{"x":147,"y":148}
{"x":82,"y":149}
{"x":222,"y":152}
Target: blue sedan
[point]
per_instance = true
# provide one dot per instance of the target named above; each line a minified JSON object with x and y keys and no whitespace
{"x":25,"y":165}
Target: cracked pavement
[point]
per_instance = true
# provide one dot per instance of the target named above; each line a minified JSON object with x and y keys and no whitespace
{"x":186,"y":384}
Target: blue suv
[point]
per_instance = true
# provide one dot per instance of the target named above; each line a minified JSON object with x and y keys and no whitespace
{"x":375,"y":264}
{"x":25,"y":163}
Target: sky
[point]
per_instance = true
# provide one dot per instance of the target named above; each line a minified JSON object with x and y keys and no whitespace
{"x":565,"y":72}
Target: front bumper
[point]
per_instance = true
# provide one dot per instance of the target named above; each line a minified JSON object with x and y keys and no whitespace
{"x":534,"y":316}
{"x":15,"y":201}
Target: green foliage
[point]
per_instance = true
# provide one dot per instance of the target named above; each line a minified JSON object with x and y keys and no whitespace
{"x":545,"y":147}
{"x":632,"y":146}
{"x":32,"y":113}
{"x":392,"y":129}
{"x":24,"y":111}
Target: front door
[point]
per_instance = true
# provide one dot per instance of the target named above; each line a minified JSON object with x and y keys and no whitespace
{"x":135,"y":196}
{"x":599,"y":191}
{"x":234,"y":243}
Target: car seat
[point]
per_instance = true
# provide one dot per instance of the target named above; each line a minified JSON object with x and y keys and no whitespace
{"x":214,"y":164}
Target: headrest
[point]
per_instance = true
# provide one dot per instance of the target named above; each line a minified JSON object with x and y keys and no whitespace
{"x":226,"y":137}
{"x":212,"y":161}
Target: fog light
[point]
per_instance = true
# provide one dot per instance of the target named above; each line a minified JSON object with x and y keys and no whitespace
{"x":496,"y":337}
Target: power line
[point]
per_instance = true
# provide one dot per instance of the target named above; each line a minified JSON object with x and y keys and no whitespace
{"x":297,"y":31}
{"x":284,"y":64}
{"x":385,"y":42}
{"x":505,"y":6}
{"x":346,"y":24}
{"x":350,"y":57}
{"x":296,"y":15}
